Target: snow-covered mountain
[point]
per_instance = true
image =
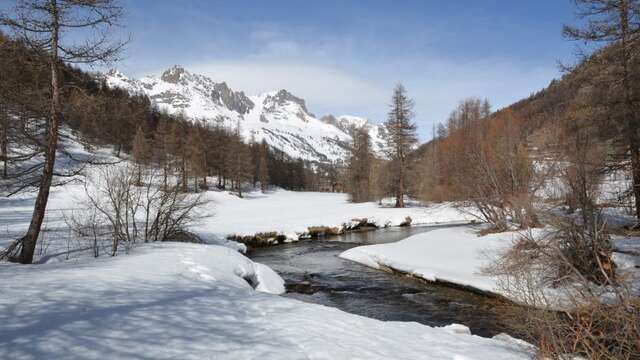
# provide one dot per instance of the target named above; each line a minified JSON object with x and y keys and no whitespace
{"x":278,"y":117}
{"x":348,"y":123}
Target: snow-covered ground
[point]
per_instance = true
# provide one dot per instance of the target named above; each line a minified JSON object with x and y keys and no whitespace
{"x":455,"y":255}
{"x":460,"y":256}
{"x":175,"y":300}
{"x":185,"y":301}
{"x":292,"y":213}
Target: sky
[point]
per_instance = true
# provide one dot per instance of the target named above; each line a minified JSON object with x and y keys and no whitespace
{"x":345,"y":56}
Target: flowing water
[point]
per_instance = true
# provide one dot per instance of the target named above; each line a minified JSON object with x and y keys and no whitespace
{"x":313,"y":272}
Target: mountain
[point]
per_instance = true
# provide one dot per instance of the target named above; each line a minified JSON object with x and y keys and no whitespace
{"x":348,"y":123}
{"x":278,"y":117}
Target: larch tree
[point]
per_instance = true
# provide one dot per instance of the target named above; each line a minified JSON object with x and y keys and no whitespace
{"x":54,"y":27}
{"x":400,"y":139}
{"x":196,"y":153}
{"x":359,"y":166}
{"x":161,"y":148}
{"x":141,"y":149}
{"x":263,"y":166}
{"x":616,"y":23}
{"x":241,"y":166}
{"x":178,"y":149}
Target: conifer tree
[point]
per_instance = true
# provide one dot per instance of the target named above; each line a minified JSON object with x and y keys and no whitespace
{"x":177,"y":147}
{"x":359,"y":167}
{"x":400,"y":139}
{"x":161,"y":148}
{"x":263,"y":166}
{"x":197,"y":155}
{"x":141,"y":149}
{"x":241,"y":166}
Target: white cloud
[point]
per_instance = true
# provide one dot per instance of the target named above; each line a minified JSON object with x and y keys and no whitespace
{"x":336,"y":76}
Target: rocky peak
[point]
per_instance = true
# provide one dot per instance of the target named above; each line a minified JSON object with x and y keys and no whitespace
{"x":173,"y":74}
{"x":329,"y":119}
{"x":115,"y":73}
{"x":233,"y":100}
{"x":283,"y":96}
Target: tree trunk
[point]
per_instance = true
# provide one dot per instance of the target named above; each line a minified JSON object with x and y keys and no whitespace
{"x":164,"y":175}
{"x":635,"y":169}
{"x":31,"y":237}
{"x":400,"y":189}
{"x":4,"y":141}
{"x":632,"y":131}
{"x":185,"y":178}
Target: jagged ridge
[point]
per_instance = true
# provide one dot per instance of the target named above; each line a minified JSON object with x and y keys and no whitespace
{"x":278,"y":117}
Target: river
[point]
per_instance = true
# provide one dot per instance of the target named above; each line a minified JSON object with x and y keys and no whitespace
{"x":314,"y":273}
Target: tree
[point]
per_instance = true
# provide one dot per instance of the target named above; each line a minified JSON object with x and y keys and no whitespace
{"x":241,"y":167}
{"x":401,"y":138}
{"x":263,"y":166}
{"x":197,"y":155}
{"x":141,"y":149}
{"x":161,"y":148}
{"x":178,"y":148}
{"x":42,"y":24}
{"x":359,"y":167}
{"x":616,"y":23}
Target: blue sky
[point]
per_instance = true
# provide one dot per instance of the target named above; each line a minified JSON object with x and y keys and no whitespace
{"x":344,"y":56}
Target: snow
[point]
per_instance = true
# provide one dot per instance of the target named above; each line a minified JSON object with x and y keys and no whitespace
{"x":291,"y":213}
{"x":456,"y":255}
{"x":191,"y":301}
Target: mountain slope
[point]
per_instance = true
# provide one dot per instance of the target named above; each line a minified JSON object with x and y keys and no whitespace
{"x":278,"y":117}
{"x":348,"y":123}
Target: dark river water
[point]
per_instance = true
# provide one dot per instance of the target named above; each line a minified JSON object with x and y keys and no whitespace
{"x":313,"y":272}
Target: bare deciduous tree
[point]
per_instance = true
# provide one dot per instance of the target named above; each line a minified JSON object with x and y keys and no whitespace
{"x":616,"y":23}
{"x":42,"y":24}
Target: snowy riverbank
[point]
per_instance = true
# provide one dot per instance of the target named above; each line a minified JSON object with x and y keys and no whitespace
{"x":292,"y":213}
{"x":194,"y":301}
{"x":458,"y":255}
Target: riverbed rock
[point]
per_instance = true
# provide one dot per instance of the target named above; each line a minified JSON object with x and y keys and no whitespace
{"x":322,"y":231}
{"x":407,"y":221}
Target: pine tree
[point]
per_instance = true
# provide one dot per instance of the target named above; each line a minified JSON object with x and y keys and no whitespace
{"x":400,"y":139}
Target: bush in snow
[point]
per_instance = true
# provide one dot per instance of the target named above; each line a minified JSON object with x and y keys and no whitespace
{"x":135,"y":208}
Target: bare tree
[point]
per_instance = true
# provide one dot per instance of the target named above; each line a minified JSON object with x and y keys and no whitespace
{"x":42,"y":24}
{"x":359,"y":167}
{"x":616,"y":23}
{"x":263,"y":165}
{"x":138,"y":213}
{"x":240,"y":169}
{"x":141,"y":149}
{"x":401,"y":138}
